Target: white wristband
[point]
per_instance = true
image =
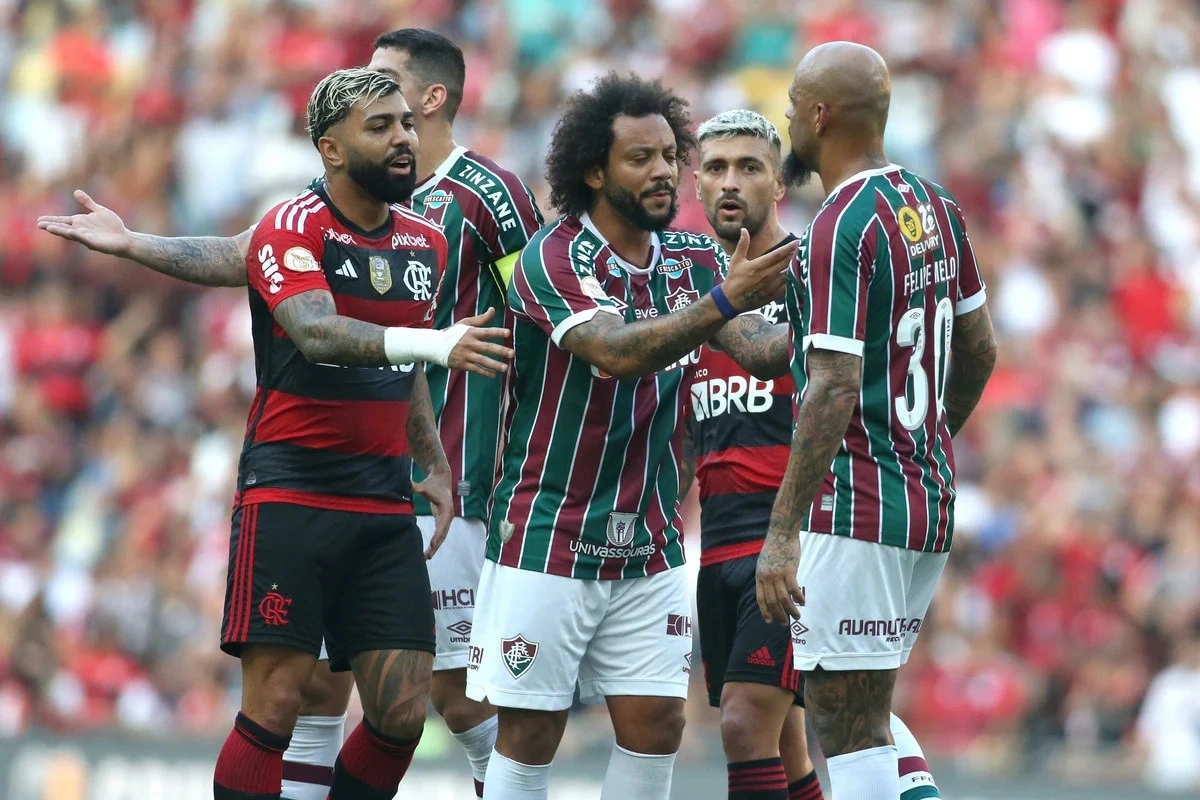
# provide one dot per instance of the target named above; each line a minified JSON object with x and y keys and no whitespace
{"x":409,"y":345}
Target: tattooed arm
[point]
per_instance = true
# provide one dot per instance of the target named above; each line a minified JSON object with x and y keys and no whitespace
{"x":760,"y":347}
{"x":687,"y":461}
{"x":324,"y":337}
{"x":973,"y":356}
{"x":633,"y":350}
{"x":202,"y":260}
{"x":834,"y":381}
{"x":427,"y":452}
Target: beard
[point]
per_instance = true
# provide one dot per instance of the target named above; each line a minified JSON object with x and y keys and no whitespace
{"x":730,"y":231}
{"x":630,"y":207}
{"x":377,"y":181}
{"x":796,"y":170}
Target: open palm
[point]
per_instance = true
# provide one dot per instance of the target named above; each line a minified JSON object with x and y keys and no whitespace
{"x":100,"y":229}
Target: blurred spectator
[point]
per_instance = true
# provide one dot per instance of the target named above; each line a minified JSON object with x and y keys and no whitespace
{"x":1065,"y":631}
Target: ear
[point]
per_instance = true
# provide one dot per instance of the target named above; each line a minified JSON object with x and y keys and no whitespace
{"x":331,"y":152}
{"x":696,"y":180}
{"x":780,"y":188}
{"x":594,"y":178}
{"x":820,"y":118}
{"x":433,"y":99}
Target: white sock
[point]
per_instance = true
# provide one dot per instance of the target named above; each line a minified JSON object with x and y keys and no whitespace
{"x":915,"y":778}
{"x":512,"y":780}
{"x":478,"y":742}
{"x":310,"y":756}
{"x":865,"y":775}
{"x":637,"y":776}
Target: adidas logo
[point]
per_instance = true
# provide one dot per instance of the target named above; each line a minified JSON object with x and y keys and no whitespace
{"x":346,"y":270}
{"x":761,"y":658}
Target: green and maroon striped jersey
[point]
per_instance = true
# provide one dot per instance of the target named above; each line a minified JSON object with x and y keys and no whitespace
{"x":884,"y":268}
{"x":488,"y":215}
{"x":590,"y":468}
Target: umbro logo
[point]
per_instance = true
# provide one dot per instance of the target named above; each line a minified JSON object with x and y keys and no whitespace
{"x":346,"y":270}
{"x":462,"y":628}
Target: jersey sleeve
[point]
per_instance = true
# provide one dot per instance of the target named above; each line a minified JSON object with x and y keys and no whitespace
{"x":442,"y":248}
{"x":972,"y":292}
{"x":549,"y":288}
{"x":835,"y":273}
{"x":283,"y":262}
{"x":507,"y":224}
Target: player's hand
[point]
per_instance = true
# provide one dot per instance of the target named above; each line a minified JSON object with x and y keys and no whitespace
{"x":477,"y":350}
{"x":752,"y":283}
{"x":779,"y":597}
{"x":436,"y":489}
{"x":100,"y":229}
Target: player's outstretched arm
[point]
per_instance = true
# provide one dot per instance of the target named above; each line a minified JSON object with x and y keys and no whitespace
{"x":202,"y":260}
{"x":325,"y":337}
{"x":633,"y":350}
{"x":758,"y":346}
{"x":834,"y":381}
{"x":972,"y":358}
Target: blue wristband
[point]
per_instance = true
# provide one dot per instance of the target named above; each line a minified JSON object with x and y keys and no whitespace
{"x":723,"y":305}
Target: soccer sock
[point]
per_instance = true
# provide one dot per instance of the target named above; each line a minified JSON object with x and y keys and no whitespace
{"x":762,"y":779}
{"x":865,"y":775}
{"x":916,"y":780}
{"x":250,"y":764}
{"x":807,"y":788}
{"x":637,"y":776}
{"x":370,"y":765}
{"x":512,"y":780}
{"x":478,"y":742}
{"x":308,"y":762}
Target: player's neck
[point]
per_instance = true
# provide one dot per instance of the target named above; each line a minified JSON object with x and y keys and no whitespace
{"x":355,"y":203}
{"x":436,"y":143}
{"x":767,"y":238}
{"x":631,"y":243}
{"x":838,"y":167}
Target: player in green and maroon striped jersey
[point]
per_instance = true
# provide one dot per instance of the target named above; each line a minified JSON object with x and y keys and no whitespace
{"x":584,"y":581}
{"x":892,"y":348}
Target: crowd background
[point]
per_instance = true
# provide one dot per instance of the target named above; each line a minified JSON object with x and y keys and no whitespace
{"x":1066,"y":632}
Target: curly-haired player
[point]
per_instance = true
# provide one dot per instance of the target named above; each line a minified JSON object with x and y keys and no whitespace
{"x":583,"y":581}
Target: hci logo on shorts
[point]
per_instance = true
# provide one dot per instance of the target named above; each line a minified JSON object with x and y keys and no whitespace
{"x":679,"y":625}
{"x":274,"y":609}
{"x":518,"y":654}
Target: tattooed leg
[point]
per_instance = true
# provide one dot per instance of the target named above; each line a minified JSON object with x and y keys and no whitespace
{"x":851,"y":710}
{"x":393,"y":686}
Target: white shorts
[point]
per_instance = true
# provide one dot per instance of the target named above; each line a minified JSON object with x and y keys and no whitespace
{"x":536,"y":635}
{"x":864,"y":603}
{"x":453,"y":579}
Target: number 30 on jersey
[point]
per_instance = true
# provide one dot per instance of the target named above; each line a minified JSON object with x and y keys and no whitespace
{"x":910,"y":332}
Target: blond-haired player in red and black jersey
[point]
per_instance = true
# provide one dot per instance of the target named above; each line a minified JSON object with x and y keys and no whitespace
{"x":738,"y":431}
{"x":892,"y":348}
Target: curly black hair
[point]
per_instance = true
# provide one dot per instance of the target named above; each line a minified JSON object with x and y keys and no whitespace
{"x":583,"y":137}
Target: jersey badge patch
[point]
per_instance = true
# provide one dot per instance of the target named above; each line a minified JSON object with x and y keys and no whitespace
{"x":299,"y":259}
{"x":381,"y":274}
{"x":621,"y":527}
{"x":592,"y":288}
{"x":518,"y":654}
{"x":681,"y":299}
{"x":910,"y":223}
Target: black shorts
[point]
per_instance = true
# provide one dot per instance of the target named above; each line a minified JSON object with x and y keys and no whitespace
{"x":736,"y":644}
{"x":297,"y":573}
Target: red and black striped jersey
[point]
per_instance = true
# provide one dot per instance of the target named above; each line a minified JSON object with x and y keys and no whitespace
{"x":741,"y":429}
{"x":319,"y":434}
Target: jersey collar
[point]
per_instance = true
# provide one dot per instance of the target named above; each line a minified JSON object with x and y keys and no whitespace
{"x":866,"y":173}
{"x":441,"y":172}
{"x":655,"y":244}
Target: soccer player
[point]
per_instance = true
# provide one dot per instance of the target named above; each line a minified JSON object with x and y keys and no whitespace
{"x":893,"y":346}
{"x":584,"y":582}
{"x":487,"y":215}
{"x":736,"y":446}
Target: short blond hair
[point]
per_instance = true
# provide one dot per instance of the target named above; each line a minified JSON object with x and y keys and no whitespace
{"x":338,"y":92}
{"x":741,"y":122}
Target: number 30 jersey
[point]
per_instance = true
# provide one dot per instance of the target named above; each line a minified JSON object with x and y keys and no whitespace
{"x":883,"y":270}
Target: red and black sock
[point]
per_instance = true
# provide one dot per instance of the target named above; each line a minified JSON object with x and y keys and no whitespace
{"x":807,"y":788}
{"x":250,"y":766}
{"x":763,"y":779}
{"x":370,"y":765}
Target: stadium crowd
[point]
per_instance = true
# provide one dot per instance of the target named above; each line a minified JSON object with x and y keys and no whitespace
{"x":1066,"y":631}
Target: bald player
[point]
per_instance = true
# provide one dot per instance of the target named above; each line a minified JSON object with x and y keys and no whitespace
{"x":885,"y":290}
